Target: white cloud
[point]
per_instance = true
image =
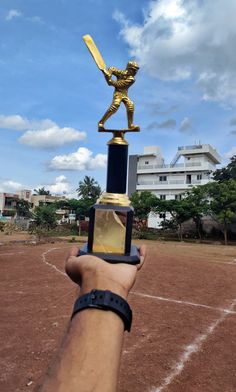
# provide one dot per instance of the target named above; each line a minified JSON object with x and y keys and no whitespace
{"x":187,"y":39}
{"x":13,"y":14}
{"x":19,"y":123}
{"x":82,"y":159}
{"x":10,"y":186}
{"x":60,"y":186}
{"x":51,"y":137}
{"x":230,"y":153}
{"x":186,"y":125}
{"x":15,"y":122}
{"x":41,"y":134}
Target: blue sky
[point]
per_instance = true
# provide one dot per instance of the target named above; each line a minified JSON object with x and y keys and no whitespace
{"x":53,"y":95}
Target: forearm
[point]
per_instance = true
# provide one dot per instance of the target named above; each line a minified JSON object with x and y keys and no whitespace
{"x":89,"y":359}
{"x":90,"y":356}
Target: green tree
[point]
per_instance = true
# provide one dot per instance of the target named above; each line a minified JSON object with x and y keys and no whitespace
{"x":83,"y":207}
{"x":143,"y":203}
{"x":179,"y":211}
{"x":226,"y":173}
{"x":23,"y":207}
{"x":197,"y":205}
{"x":61,"y":204}
{"x":42,"y":191}
{"x":223,"y":203}
{"x":80,"y":207}
{"x":45,"y":217}
{"x":89,"y":189}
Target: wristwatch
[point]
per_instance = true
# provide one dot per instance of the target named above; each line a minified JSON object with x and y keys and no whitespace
{"x":105,"y":300}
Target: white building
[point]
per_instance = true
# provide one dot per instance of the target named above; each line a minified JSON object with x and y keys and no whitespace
{"x":191,"y":166}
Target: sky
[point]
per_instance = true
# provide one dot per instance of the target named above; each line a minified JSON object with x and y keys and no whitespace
{"x":53,"y":94}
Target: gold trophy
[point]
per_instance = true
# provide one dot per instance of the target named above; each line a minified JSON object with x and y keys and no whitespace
{"x":111,"y":218}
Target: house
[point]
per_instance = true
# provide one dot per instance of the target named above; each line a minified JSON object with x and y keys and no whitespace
{"x":8,"y":204}
{"x":191,"y":166}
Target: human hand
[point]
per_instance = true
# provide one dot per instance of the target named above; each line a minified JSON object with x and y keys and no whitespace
{"x":106,"y":72}
{"x":91,"y":272}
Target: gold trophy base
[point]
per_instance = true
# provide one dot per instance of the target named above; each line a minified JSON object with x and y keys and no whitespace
{"x":110,"y":229}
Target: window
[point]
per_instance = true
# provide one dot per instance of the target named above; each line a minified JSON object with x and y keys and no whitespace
{"x":162,"y":197}
{"x":146,"y":162}
{"x":178,"y":197}
{"x":199,"y":177}
{"x":162,"y":178}
{"x":188,"y":179}
{"x":162,"y":216}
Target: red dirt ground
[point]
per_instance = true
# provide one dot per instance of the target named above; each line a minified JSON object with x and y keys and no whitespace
{"x":183,"y":336}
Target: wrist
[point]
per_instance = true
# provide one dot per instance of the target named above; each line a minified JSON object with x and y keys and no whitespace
{"x":99,"y":281}
{"x":105,"y":300}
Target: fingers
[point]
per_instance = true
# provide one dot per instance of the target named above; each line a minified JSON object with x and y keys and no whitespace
{"x":75,"y":265}
{"x":142,"y":252}
{"x":71,"y":264}
{"x":74,"y":251}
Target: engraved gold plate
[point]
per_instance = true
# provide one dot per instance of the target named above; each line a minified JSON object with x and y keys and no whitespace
{"x":109,"y":231}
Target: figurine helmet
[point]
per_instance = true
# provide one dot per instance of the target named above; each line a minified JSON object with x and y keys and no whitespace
{"x":132,"y":65}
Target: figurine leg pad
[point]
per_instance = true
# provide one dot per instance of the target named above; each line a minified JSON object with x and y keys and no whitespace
{"x":133,"y":127}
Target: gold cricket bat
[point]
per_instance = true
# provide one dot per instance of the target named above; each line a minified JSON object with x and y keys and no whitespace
{"x":94,"y":51}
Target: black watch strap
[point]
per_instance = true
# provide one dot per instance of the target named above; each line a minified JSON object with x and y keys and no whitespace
{"x":105,"y":300}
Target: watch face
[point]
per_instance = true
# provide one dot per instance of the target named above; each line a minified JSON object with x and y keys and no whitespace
{"x":109,"y":231}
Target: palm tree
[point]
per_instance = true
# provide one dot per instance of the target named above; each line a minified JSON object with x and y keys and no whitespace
{"x":42,"y":191}
{"x":89,"y":189}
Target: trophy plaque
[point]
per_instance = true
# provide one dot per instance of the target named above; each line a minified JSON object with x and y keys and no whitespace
{"x":111,"y":218}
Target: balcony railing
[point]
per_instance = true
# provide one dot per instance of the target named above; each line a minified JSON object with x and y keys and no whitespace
{"x":176,"y":182}
{"x":193,"y":147}
{"x":189,"y":164}
{"x":170,"y":182}
{"x":177,"y":165}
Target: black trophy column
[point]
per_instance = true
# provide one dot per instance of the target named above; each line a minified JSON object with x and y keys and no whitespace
{"x":117,"y":168}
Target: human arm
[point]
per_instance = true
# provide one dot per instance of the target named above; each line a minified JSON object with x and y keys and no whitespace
{"x":90,"y":356}
{"x":123,"y":81}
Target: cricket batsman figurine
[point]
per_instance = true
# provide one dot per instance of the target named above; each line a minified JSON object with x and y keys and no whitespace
{"x":124,"y":79}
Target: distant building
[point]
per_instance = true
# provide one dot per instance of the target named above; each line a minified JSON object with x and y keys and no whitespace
{"x":36,"y":200}
{"x":8,"y":201}
{"x":191,"y":166}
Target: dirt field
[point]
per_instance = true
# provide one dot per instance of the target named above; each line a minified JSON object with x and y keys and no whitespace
{"x":183,"y":336}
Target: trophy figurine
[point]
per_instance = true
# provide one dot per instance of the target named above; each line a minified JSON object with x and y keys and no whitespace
{"x":111,"y":218}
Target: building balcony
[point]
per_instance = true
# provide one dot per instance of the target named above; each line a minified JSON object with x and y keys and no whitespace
{"x":178,"y":167}
{"x":200,"y":149}
{"x":172,"y":185}
{"x":164,"y":166}
{"x":170,"y":182}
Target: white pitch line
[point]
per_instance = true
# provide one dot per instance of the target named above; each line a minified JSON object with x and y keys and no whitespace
{"x":222,"y":262}
{"x":176,"y":301}
{"x":49,"y":264}
{"x":191,"y":349}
